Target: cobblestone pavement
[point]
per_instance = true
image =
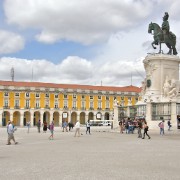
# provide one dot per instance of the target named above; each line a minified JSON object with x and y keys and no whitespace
{"x":104,"y":155}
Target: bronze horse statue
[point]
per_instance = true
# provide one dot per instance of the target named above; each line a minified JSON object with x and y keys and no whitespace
{"x":170,"y":40}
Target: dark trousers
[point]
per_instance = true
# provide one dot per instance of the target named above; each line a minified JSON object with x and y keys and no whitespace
{"x":139,"y":133}
{"x":88,"y":129}
{"x":145,"y":132}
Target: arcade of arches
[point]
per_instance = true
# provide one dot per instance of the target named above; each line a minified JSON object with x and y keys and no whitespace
{"x":20,"y":118}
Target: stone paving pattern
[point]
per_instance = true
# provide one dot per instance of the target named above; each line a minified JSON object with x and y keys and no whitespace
{"x":104,"y":155}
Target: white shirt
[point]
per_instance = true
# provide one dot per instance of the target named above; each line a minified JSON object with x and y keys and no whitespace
{"x":77,"y":124}
{"x":10,"y":129}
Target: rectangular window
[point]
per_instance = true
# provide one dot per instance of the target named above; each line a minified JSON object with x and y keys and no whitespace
{"x":91,"y":97}
{"x":74,"y":96}
{"x":6,"y":102}
{"x":107,"y":97}
{"x":122,"y":98}
{"x":82,"y":96}
{"x":114,"y":97}
{"x":27,"y":103}
{"x":99,"y":105}
{"x":37,"y":95}
{"x":65,"y":104}
{"x":65,"y":96}
{"x":17,"y":102}
{"x":46,"y":102}
{"x":56,"y":104}
{"x":27,"y":94}
{"x":74,"y":104}
{"x":107,"y":104}
{"x":37,"y":104}
{"x":16,"y":94}
{"x":91,"y":104}
{"x":83,"y":104}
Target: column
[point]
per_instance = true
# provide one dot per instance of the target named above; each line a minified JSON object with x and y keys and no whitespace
{"x":78,"y":117}
{"x":86,"y":118}
{"x":69,"y":116}
{"x":60,"y":120}
{"x":32,"y":119}
{"x":21,"y":119}
{"x":128,"y":111}
{"x":102,"y":117}
{"x":94,"y":116}
{"x":173,"y":115}
{"x":115,"y":119}
{"x":149,"y":116}
{"x":11,"y":116}
{"x":41,"y":117}
{"x":51,"y":117}
{"x":1,"y":119}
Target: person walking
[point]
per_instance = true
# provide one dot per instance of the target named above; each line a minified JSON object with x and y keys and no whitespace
{"x":121,"y":127}
{"x":64,"y":125}
{"x":146,"y":128}
{"x":77,"y":126}
{"x":28,"y":126}
{"x":161,"y":126}
{"x":45,"y":127}
{"x":139,"y":124}
{"x":169,"y":124}
{"x":88,"y":127}
{"x":51,"y":128}
{"x":39,"y":126}
{"x":10,"y":131}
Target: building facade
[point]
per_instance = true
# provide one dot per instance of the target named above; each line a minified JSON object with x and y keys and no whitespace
{"x":30,"y":101}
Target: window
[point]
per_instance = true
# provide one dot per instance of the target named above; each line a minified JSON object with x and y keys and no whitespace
{"x":82,"y":96}
{"x":91,"y":104}
{"x":99,"y":97}
{"x":6,"y":94}
{"x":16,"y":102}
{"x":27,"y":94}
{"x":122,"y":98}
{"x":74,"y":104}
{"x":6,"y":102}
{"x":83,"y":104}
{"x":47,"y":95}
{"x":56,"y":104}
{"x":65,"y":96}
{"x":37,"y":104}
{"x":91,"y":97}
{"x":16,"y":94}
{"x":56,"y":95}
{"x":107,"y":97}
{"x":107,"y":104}
{"x":74,"y":96}
{"x":27,"y":103}
{"x":65,"y":104}
{"x":129,"y":98}
{"x":46,"y":103}
{"x":37,"y":95}
{"x":99,"y":105}
{"x":115,"y":97}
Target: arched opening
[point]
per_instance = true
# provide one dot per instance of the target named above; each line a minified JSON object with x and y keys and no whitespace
{"x":64,"y":117}
{"x":26,"y":117}
{"x":98,"y":116}
{"x":5,"y":118}
{"x":91,"y":116}
{"x":36,"y":117}
{"x":46,"y":117}
{"x":106,"y":116}
{"x":16,"y":118}
{"x":73,"y":117}
{"x":82,"y":118}
{"x":56,"y":118}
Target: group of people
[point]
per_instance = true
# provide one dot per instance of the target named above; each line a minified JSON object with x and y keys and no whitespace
{"x":129,"y":126}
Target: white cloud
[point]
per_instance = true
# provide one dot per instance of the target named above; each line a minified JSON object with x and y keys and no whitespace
{"x":10,"y":42}
{"x":87,"y":22}
{"x":73,"y":70}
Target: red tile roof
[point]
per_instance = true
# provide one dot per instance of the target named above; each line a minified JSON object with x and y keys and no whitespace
{"x":70,"y":86}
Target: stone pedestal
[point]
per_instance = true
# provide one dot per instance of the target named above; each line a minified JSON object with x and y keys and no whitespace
{"x":115,"y":119}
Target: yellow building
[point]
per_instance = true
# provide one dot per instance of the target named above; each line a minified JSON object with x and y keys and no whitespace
{"x":30,"y":101}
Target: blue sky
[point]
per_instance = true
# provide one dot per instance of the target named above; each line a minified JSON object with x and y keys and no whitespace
{"x":82,"y":42}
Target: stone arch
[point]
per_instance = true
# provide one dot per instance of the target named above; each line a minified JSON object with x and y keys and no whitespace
{"x":91,"y":116}
{"x":73,"y":117}
{"x":36,"y":117}
{"x":5,"y":118}
{"x":27,"y":117}
{"x":65,"y":116}
{"x":82,"y":118}
{"x":16,"y":118}
{"x":107,"y":116}
{"x":56,"y":118}
{"x":46,"y":117}
{"x":99,"y":116}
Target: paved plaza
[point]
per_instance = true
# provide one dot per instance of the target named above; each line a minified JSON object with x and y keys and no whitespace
{"x":104,"y":155}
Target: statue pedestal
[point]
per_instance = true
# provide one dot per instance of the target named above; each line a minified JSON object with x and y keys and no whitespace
{"x":159,"y":68}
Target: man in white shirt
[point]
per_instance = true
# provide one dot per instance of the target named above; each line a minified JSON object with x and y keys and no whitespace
{"x":10,"y":131}
{"x":88,"y":127}
{"x":77,"y":126}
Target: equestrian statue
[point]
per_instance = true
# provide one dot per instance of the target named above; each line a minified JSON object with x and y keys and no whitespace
{"x":163,"y":35}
